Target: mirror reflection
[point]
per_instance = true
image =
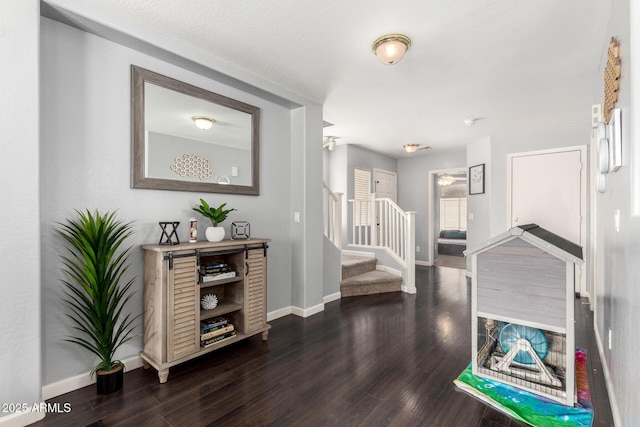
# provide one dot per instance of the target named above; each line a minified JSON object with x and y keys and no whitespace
{"x":187,"y":138}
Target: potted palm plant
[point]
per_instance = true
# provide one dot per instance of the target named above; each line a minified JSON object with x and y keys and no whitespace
{"x":94,"y":266}
{"x":215,"y":233}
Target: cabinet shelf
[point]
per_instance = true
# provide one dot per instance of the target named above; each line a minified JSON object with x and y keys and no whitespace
{"x":221,"y":309}
{"x":237,"y":278}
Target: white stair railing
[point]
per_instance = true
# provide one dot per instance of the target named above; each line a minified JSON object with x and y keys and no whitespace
{"x":332,"y":215}
{"x":393,"y":229}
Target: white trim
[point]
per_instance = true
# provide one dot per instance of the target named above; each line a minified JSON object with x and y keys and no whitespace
{"x":431,"y":197}
{"x":613,"y":402}
{"x":424,"y":263}
{"x":393,"y":271}
{"x":333,"y":297}
{"x":82,"y":380}
{"x":359,"y":253}
{"x":276,"y":314}
{"x":307,"y":312}
{"x":21,"y":419}
{"x":408,"y":290}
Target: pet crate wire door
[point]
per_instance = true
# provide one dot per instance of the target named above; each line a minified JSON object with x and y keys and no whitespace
{"x":523,"y":312}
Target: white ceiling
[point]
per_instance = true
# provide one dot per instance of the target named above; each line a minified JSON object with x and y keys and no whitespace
{"x":511,"y":64}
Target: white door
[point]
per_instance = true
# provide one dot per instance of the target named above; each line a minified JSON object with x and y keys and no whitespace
{"x":548,"y":188}
{"x":385,"y":185}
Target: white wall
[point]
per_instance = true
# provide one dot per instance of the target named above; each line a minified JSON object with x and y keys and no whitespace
{"x":86,"y":149}
{"x":413,"y":179}
{"x":20,"y":354}
{"x":617,"y":286}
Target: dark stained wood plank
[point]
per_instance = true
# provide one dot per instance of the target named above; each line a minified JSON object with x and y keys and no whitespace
{"x":377,"y":360}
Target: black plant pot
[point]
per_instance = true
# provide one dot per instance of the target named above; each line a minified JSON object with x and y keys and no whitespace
{"x":109,"y":382}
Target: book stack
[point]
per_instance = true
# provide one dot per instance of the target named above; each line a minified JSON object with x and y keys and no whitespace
{"x":215,"y":271}
{"x":215,"y":330}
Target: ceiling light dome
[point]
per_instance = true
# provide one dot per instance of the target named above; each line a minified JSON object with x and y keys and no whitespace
{"x":411,"y":148}
{"x":203,"y":122}
{"x":391,"y":48}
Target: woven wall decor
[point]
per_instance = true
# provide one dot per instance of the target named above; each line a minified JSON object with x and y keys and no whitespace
{"x":191,"y":165}
{"x":611,"y":78}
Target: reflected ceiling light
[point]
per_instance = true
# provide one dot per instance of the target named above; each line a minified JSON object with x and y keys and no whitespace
{"x":411,"y":148}
{"x":445,"y":180}
{"x":203,"y":122}
{"x":391,"y":48}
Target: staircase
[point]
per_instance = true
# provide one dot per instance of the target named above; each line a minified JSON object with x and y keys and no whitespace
{"x":360,"y":277}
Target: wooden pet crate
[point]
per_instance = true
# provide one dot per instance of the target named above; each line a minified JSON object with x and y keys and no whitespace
{"x":523,"y":299}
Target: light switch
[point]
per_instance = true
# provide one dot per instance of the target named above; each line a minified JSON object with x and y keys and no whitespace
{"x":234,"y":171}
{"x":616,"y":220}
{"x":470,"y":216}
{"x":296,"y":217}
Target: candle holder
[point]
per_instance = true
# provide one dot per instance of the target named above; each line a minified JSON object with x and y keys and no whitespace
{"x":169,"y":233}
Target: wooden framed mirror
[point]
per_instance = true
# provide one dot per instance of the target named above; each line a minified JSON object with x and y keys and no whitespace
{"x":186,"y":138}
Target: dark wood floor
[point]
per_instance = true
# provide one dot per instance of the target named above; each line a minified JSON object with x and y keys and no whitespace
{"x":381,"y":360}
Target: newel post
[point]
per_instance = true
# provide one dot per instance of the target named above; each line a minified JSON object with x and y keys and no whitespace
{"x":373,"y":223}
{"x":338,"y":221}
{"x":410,"y":286}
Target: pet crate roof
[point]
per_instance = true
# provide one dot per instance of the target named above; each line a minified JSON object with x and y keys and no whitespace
{"x":538,"y":237}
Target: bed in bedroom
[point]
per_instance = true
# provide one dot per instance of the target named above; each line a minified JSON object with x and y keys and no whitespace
{"x":452,"y":242}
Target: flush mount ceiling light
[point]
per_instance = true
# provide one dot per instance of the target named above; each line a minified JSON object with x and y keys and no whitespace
{"x":411,"y":148}
{"x":203,"y":122}
{"x":391,"y":48}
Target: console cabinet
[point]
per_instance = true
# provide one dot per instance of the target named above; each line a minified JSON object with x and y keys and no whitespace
{"x":176,"y":277}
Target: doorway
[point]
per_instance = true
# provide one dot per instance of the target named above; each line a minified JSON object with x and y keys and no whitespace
{"x":447,"y":221}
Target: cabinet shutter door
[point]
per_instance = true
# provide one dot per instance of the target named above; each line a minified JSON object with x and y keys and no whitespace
{"x":183,"y":310}
{"x":256,"y":301}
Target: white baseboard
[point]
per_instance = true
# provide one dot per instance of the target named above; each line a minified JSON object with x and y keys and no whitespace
{"x":358,"y":253}
{"x":302,"y":312}
{"x":306,"y":312}
{"x":408,"y":290}
{"x":393,"y":271}
{"x":424,"y":263}
{"x":617,"y":420}
{"x":82,"y":380}
{"x":328,"y":298}
{"x":21,"y":419}
{"x":276,"y":314}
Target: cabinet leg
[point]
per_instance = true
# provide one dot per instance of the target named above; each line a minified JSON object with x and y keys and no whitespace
{"x":145,"y":364}
{"x":265,"y":335}
{"x":163,"y":374}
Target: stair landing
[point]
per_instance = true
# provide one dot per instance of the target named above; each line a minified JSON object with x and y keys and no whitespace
{"x":360,"y":277}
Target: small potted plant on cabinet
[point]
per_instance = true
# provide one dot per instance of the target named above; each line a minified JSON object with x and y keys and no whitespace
{"x":215,"y":233}
{"x":94,"y":266}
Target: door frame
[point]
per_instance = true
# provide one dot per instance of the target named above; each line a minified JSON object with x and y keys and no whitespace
{"x":585,"y":275}
{"x":431,"y":197}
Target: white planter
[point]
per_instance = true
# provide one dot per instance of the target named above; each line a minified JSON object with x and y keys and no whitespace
{"x":215,"y":234}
